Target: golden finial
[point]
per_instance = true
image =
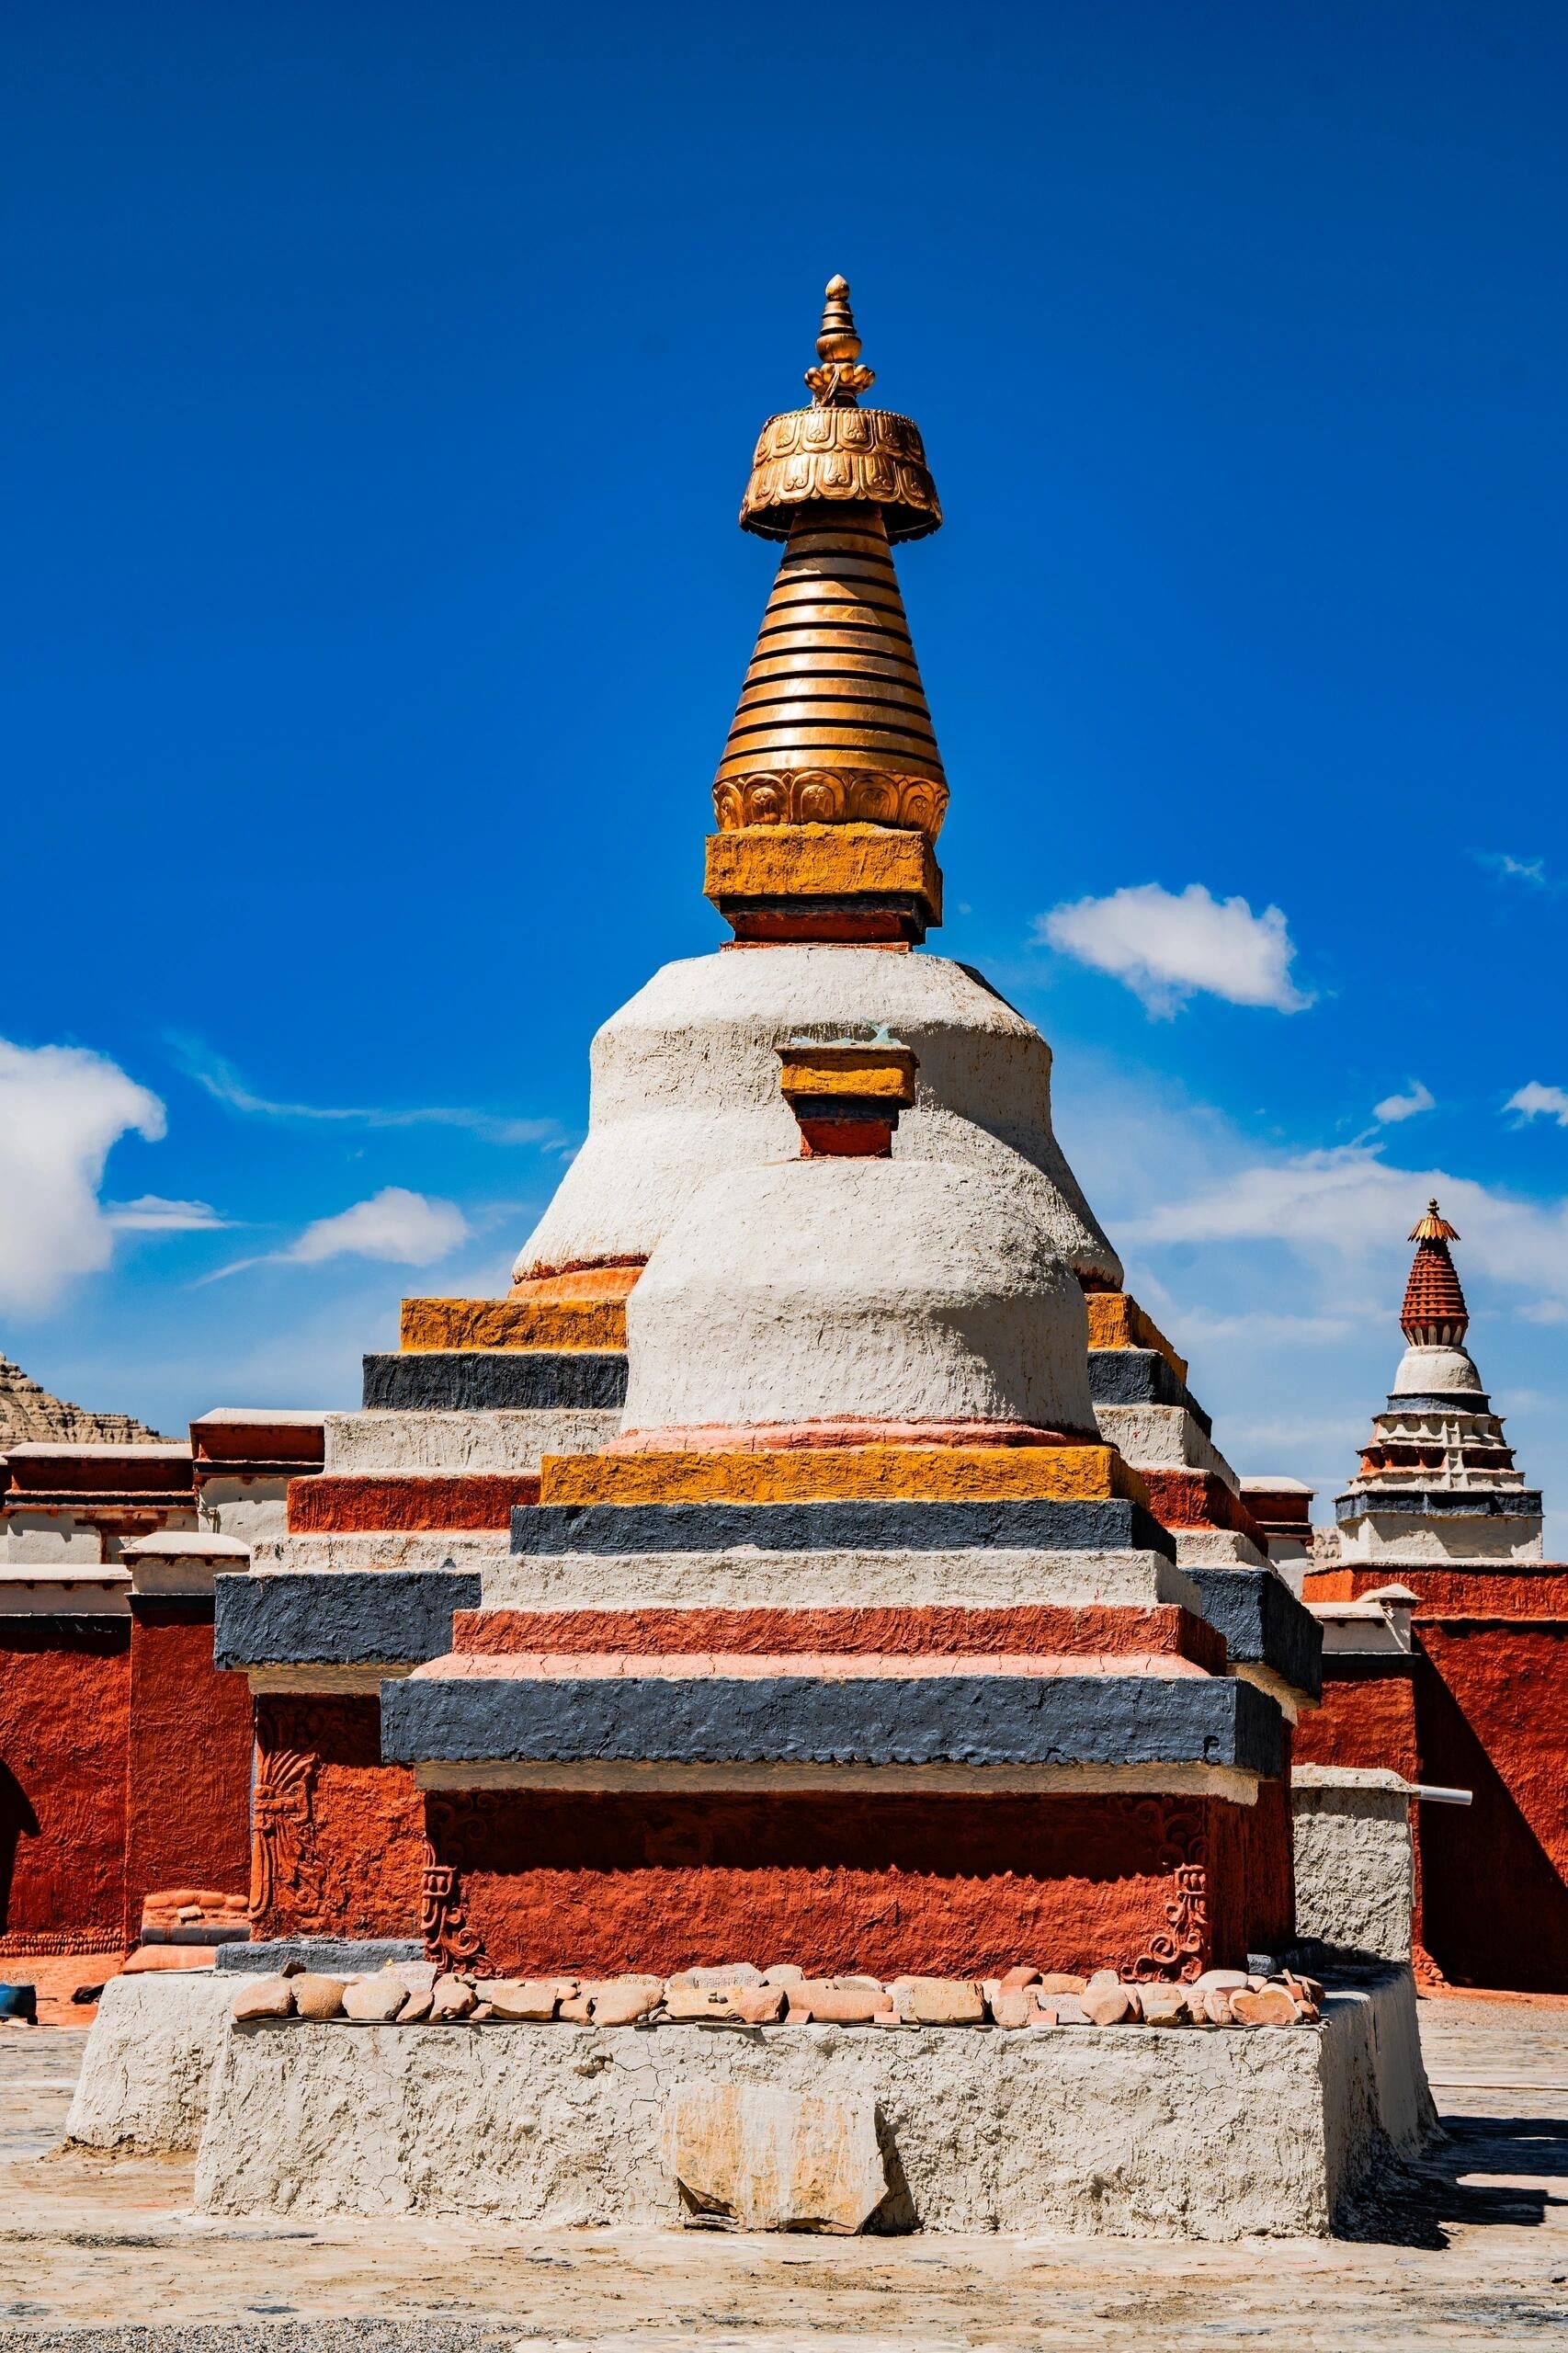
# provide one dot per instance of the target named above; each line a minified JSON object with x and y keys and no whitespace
{"x":1434,"y":1228}
{"x":838,"y":381}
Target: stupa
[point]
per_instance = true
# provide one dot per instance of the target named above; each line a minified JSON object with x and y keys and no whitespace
{"x":816,"y":1481}
{"x":817,"y":1565}
{"x":1437,"y":1479}
{"x":828,"y":800}
{"x":1446,"y":1648}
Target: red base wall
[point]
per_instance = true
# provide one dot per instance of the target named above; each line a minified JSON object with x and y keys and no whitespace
{"x":1368,"y":1718}
{"x":1481,"y":1706}
{"x":189,"y":1759}
{"x":64,"y":1708}
{"x":338,"y":1837}
{"x":1492,"y":1710}
{"x":526,"y":1880}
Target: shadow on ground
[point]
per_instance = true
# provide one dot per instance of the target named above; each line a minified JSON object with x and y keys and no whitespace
{"x":1471,"y":2177}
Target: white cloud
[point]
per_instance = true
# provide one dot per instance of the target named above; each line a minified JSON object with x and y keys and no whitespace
{"x":1346,"y":1202}
{"x":1169,"y":945}
{"x":62,"y":1111}
{"x":150,"y":1213}
{"x":1280,"y":1273}
{"x":1395,"y":1107}
{"x":1535,"y":1100}
{"x":409,"y":1229}
{"x":396,"y":1226}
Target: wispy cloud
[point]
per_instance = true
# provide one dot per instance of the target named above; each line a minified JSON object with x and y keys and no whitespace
{"x":1509,"y":868}
{"x":224,"y":1084}
{"x":1347,"y":1203}
{"x":150,"y":1213}
{"x":394,"y":1225}
{"x":1279,"y":1271}
{"x":1536,"y":1101}
{"x":1395,"y":1107}
{"x":1170,"y":946}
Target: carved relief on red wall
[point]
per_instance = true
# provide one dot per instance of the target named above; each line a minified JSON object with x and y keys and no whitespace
{"x":286,"y":1867}
{"x":944,"y":1886}
{"x":449,"y":1942}
{"x":1183,"y":1950}
{"x":337,"y":1837}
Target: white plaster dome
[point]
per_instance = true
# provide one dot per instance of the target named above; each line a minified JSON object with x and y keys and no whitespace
{"x":850,"y":1290}
{"x":1436,"y":1372}
{"x":686,"y":1086}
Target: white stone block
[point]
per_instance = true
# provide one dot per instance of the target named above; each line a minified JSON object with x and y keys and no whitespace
{"x":1164,"y":1438}
{"x":1355,"y":1859}
{"x":149,"y":2058}
{"x":751,"y":2158}
{"x":469,"y":1548}
{"x":510,"y":1440}
{"x":966,"y":1579}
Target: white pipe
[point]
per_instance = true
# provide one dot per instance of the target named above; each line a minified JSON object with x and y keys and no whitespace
{"x":1442,"y":1797}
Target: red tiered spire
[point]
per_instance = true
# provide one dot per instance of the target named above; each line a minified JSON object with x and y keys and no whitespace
{"x":1434,"y":1315}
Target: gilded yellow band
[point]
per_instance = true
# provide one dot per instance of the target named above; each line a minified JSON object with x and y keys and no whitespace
{"x":851,"y":1473}
{"x":512,"y":1324}
{"x":1117,"y":1322}
{"x":821,"y":862}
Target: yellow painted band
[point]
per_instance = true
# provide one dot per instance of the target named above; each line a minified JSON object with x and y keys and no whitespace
{"x":890,"y":1080}
{"x":1117,"y":1320}
{"x":512,"y":1324}
{"x":821,"y":862}
{"x":850,"y":1474}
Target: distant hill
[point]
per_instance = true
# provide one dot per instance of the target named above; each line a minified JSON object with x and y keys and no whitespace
{"x":29,"y":1414}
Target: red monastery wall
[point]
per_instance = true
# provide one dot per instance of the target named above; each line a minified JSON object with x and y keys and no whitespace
{"x":190,"y":1755}
{"x":1368,"y":1718}
{"x":1492,"y":1710}
{"x":64,"y":1709}
{"x":1480,"y":1705}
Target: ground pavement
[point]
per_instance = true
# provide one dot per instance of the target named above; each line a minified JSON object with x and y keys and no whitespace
{"x":103,"y":2255}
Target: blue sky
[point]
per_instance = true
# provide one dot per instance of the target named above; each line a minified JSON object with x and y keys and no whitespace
{"x":379,"y":386}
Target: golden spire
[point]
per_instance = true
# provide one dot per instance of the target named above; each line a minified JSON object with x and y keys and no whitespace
{"x":833,"y":726}
{"x":1433,"y":1228}
{"x":1433,"y":1314}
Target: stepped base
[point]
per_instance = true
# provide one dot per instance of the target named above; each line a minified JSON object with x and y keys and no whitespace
{"x":1125,"y":2131}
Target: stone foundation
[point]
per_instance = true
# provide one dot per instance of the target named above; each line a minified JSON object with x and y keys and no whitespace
{"x":1123,"y":2132}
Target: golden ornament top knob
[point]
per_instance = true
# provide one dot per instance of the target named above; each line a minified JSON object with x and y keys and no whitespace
{"x":839,"y":339}
{"x":839,"y":381}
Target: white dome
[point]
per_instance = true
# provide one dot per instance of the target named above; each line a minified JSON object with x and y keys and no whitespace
{"x":686,"y":1086}
{"x":813,"y":1290}
{"x":1436,"y":1372}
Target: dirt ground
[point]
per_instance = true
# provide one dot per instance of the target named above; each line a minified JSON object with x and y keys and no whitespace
{"x":1470,"y":2249}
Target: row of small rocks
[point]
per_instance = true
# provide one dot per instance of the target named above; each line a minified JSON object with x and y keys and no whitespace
{"x":181,"y":1907}
{"x":407,"y":1993}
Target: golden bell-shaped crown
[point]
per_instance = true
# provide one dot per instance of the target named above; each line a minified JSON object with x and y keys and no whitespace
{"x":835,"y":450}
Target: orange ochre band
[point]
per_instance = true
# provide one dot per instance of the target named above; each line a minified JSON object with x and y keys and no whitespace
{"x":943,"y":1474}
{"x":522,"y":1322}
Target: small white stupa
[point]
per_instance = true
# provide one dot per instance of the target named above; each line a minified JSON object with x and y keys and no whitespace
{"x":1437,"y":1481}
